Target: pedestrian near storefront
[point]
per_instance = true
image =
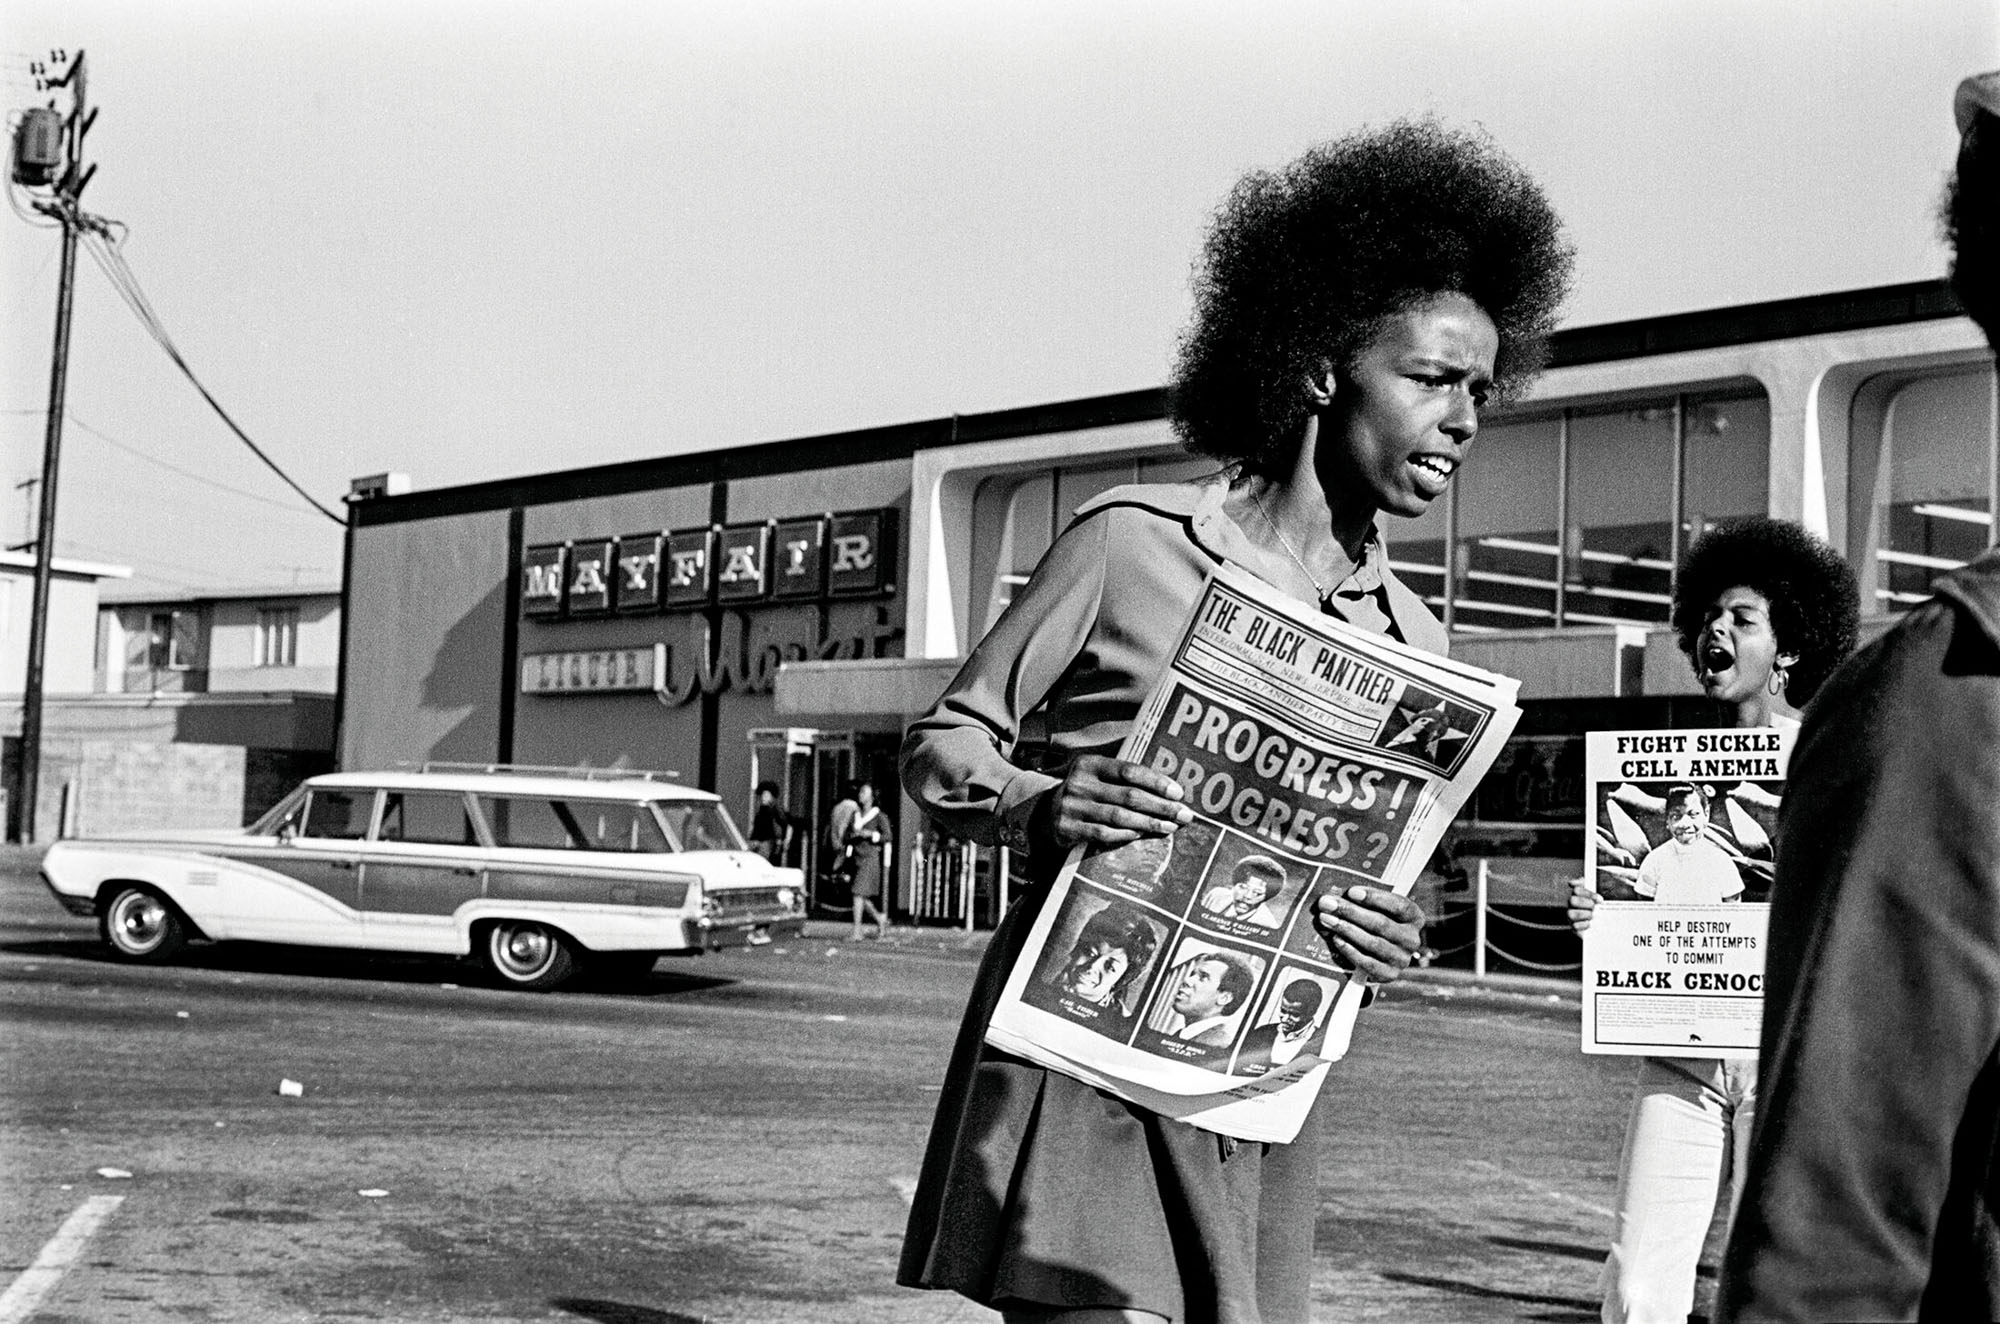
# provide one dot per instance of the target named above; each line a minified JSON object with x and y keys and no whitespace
{"x":1354,"y":312}
{"x":1763,"y":610}
{"x":843,"y":812}
{"x":770,"y":827}
{"x":1873,"y":1189}
{"x":869,"y":850}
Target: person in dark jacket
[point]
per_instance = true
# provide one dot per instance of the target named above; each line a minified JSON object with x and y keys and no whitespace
{"x":1874,"y":1174}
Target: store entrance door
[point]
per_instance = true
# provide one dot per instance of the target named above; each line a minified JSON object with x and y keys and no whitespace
{"x":811,"y":767}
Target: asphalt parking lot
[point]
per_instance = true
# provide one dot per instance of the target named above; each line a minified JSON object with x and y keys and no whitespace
{"x":733,"y":1140}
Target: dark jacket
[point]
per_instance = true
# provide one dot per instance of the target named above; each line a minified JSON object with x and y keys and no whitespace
{"x":1872,"y":1190}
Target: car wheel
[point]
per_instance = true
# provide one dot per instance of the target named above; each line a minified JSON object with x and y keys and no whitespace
{"x":528,"y":956}
{"x":140,"y":926}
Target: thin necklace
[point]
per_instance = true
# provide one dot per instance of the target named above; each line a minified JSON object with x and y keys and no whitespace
{"x":1286,"y":543}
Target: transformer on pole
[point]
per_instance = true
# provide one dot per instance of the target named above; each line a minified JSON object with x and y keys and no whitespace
{"x":48,"y":154}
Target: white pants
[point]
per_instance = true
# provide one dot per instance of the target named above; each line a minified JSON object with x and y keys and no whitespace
{"x":1690,"y":1123}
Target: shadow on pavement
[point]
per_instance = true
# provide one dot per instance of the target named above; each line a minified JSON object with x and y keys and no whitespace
{"x":1585,"y":1310}
{"x":617,"y":1312}
{"x":346,"y":964}
{"x":1593,"y":1254}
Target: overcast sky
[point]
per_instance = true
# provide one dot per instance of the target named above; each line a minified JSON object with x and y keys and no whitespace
{"x":474,"y":240}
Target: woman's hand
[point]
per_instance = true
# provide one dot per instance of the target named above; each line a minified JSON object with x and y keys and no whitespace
{"x":1106,"y":802}
{"x":1583,"y":899}
{"x":1370,"y":929}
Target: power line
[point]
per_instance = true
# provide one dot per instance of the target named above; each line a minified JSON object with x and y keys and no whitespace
{"x":205,"y":577}
{"x":106,"y":253}
{"x":188,"y":474}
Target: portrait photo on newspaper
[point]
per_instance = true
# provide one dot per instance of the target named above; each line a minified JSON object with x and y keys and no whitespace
{"x":1248,"y":890}
{"x":1290,"y":1024}
{"x":1095,"y":965}
{"x":1160,"y":871}
{"x":1198,"y":1009}
{"x":1429,"y":727}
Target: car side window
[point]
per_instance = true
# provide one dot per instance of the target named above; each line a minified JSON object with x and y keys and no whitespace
{"x":530,"y":822}
{"x":339,"y":815}
{"x":594,"y":825}
{"x":429,"y":818}
{"x":615,"y":826}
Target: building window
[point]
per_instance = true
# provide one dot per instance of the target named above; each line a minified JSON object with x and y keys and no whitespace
{"x":1561,"y":518}
{"x":1016,"y":516}
{"x":277,"y":637}
{"x":173,"y":640}
{"x":1934,"y":500}
{"x":1577,"y":518}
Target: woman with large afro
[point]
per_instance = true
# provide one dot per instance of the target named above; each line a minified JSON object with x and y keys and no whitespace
{"x":1354,"y":312}
{"x":1764,"y":611}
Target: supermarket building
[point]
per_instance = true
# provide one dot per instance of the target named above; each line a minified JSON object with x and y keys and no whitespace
{"x":779,"y":610}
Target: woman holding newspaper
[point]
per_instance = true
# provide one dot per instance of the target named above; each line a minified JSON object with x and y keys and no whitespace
{"x":1764,"y":611}
{"x":1354,"y":311}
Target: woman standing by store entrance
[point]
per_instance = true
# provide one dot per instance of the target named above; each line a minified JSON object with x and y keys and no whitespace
{"x":868,"y":853}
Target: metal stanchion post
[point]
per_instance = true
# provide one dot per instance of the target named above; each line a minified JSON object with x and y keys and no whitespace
{"x":1002,"y":883}
{"x":1479,"y":925}
{"x":969,"y":880}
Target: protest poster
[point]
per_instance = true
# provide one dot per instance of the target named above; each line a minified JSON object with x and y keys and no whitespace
{"x":1184,"y":973}
{"x":1678,"y":829}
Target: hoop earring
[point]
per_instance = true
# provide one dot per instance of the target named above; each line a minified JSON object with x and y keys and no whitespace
{"x":1779,"y":680}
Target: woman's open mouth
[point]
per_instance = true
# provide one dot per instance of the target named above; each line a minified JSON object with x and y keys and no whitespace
{"x":1433,"y":472}
{"x":1714,"y":659}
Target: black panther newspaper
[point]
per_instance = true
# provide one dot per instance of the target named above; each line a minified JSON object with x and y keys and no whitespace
{"x":1184,"y":973}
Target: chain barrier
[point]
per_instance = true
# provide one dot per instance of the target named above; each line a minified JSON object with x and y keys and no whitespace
{"x":1446,"y":914}
{"x":1498,"y":950}
{"x":1563,"y":927}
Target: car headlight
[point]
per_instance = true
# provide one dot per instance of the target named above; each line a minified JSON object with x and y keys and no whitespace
{"x":786,"y":897}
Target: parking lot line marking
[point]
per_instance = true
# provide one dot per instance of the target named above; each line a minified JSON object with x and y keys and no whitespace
{"x":1531,"y":1184}
{"x":24,"y":1295}
{"x":905,"y":1187}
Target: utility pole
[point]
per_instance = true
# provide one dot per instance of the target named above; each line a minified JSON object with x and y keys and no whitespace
{"x":48,"y":154}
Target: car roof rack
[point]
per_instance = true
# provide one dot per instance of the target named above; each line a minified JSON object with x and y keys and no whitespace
{"x":579,"y":770}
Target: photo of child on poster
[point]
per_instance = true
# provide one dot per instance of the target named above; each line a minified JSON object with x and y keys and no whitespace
{"x":1199,"y":1006}
{"x":1686,"y":841}
{"x":1093,"y":970}
{"x":1289,"y":1025}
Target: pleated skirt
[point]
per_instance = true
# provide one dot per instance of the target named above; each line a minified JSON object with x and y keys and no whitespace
{"x":1040,"y":1191}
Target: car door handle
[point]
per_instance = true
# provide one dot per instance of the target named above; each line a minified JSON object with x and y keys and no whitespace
{"x":466,"y":870}
{"x":342,"y":864}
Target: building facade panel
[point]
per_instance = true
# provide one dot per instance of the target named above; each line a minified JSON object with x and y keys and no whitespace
{"x":426,"y":632}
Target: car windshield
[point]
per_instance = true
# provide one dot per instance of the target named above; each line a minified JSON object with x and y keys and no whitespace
{"x":283,"y":814}
{"x":699,"y":824}
{"x":539,"y":822}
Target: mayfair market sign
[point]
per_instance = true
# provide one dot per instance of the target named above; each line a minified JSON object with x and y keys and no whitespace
{"x":776,"y":562}
{"x":716,"y":575}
